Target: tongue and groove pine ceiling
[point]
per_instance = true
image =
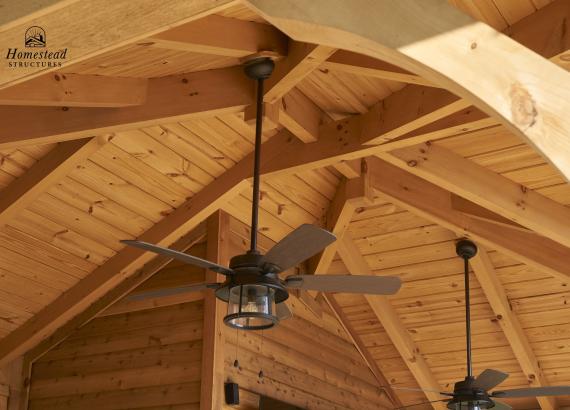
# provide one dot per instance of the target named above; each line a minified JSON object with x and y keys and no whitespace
{"x":120,"y":157}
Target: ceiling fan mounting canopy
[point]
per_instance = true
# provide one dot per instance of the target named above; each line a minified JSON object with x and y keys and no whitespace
{"x":259,"y":68}
{"x":466,"y":249}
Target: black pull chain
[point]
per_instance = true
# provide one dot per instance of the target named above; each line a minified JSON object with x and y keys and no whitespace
{"x":261,"y":354}
{"x":236,"y":361}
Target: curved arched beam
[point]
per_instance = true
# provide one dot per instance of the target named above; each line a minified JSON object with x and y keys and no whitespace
{"x":529,"y":94}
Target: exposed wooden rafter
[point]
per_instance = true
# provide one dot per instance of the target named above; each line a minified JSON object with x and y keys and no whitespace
{"x":392,"y":324}
{"x":493,"y":289}
{"x":416,"y":106}
{"x":486,"y":188}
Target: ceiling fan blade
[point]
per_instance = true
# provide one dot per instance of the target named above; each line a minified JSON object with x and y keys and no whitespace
{"x":534,"y":391}
{"x":181,"y":256}
{"x":501,"y":406}
{"x":171,"y":291}
{"x":490,"y":378}
{"x":372,"y":285}
{"x":282,"y":311}
{"x":304,"y":242}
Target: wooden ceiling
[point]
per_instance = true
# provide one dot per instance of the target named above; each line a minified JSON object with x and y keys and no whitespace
{"x":76,"y":180}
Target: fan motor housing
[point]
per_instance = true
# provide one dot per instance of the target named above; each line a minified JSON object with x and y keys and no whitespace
{"x":249,"y":271}
{"x":467,"y":395}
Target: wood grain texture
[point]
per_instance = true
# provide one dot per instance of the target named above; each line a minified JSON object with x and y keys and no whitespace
{"x":72,"y":90}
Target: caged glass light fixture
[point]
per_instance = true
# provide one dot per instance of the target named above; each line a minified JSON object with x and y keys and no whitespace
{"x":251,"y":307}
{"x":471,"y":405}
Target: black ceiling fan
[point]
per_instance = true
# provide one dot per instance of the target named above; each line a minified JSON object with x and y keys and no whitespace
{"x":253,"y":290}
{"x":472,"y":393}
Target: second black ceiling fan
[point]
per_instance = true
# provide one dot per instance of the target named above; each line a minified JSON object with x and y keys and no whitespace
{"x":253,"y":289}
{"x":473,"y":393}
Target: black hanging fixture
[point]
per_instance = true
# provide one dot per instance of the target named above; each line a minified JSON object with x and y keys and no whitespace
{"x":467,"y":394}
{"x":251,"y":306}
{"x":253,"y":290}
{"x":472,"y":393}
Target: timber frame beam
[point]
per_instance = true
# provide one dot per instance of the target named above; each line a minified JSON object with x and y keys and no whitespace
{"x":77,"y":90}
{"x":212,"y":380}
{"x":485,"y":188}
{"x":440,"y":47}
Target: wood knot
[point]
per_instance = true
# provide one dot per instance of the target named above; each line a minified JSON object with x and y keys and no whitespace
{"x":523,"y":107}
{"x":412,"y":163}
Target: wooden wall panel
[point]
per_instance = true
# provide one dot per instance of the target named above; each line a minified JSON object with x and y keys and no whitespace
{"x":132,"y":360}
{"x":135,"y":359}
